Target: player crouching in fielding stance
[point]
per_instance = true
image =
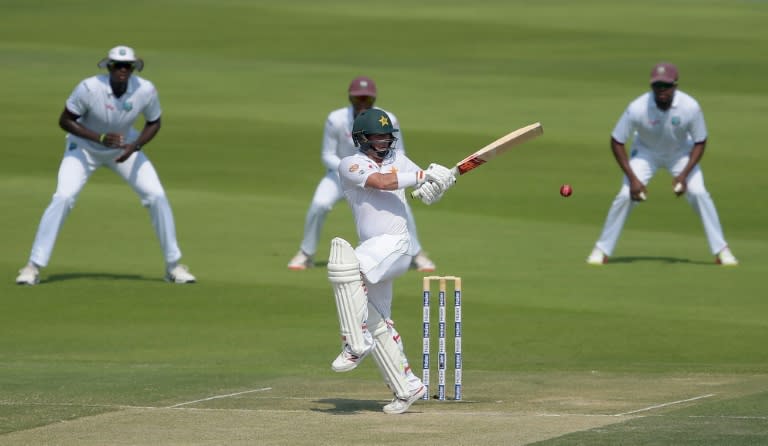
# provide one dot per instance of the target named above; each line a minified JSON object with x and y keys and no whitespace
{"x":98,"y":118}
{"x":374,"y":182}
{"x":669,"y":132}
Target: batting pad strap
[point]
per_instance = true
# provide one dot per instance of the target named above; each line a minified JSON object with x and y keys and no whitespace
{"x":409,"y":179}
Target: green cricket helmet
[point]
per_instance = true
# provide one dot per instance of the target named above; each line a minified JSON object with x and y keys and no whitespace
{"x":374,"y":121}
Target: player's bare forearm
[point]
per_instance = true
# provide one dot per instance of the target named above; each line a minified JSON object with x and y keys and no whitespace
{"x":382,"y":181}
{"x":680,"y":182}
{"x":620,"y":153}
{"x":68,"y":123}
{"x":395,"y":180}
{"x":693,"y":159}
{"x":147,"y":133}
{"x":636,"y":187}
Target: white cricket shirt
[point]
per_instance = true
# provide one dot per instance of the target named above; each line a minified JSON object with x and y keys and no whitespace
{"x":376,"y":211}
{"x":658,"y":131}
{"x":102,"y":112}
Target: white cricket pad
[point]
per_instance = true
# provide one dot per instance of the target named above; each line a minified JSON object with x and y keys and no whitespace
{"x":388,"y":357}
{"x":351,"y":300}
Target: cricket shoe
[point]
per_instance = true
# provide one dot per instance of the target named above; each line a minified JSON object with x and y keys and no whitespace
{"x":29,"y":275}
{"x":347,"y":360}
{"x":422,"y":263}
{"x":180,"y":274}
{"x":300,"y":262}
{"x":726,"y":258}
{"x":399,"y":405}
{"x":597,"y":257}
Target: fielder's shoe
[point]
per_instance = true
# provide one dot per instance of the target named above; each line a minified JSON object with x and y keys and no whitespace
{"x":401,"y":405}
{"x":726,"y":258}
{"x":300,"y":262}
{"x":597,"y":257}
{"x":422,"y":263}
{"x":29,"y":275}
{"x":347,"y":360}
{"x":180,"y":274}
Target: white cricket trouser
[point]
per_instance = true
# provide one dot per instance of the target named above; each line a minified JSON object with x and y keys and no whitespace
{"x":327,"y":194}
{"x":76,"y":167}
{"x":645,"y":165}
{"x":382,"y":260}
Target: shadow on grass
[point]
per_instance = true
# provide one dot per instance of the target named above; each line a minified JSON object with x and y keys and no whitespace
{"x":658,"y":259}
{"x":348,"y":407}
{"x":98,"y":276}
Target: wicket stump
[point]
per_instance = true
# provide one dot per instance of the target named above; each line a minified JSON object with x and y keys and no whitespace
{"x":441,"y":349}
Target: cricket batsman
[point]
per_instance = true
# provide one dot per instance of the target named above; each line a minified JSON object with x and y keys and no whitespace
{"x":374,"y":182}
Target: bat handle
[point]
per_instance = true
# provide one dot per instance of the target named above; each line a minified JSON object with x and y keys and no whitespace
{"x":415,"y":193}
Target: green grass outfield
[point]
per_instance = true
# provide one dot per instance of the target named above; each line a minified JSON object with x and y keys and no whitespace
{"x":658,"y":347}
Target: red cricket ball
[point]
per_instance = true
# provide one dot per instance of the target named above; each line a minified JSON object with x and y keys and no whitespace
{"x":566,"y":190}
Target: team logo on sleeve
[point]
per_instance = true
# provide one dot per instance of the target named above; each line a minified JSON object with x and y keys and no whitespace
{"x":353,"y":168}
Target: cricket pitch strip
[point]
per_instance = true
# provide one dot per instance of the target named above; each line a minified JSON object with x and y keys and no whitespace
{"x":498,"y":409}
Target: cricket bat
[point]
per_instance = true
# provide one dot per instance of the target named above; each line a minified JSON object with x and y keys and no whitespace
{"x":494,"y":149}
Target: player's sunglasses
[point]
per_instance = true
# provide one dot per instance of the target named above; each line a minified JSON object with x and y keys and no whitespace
{"x":364,"y":99}
{"x":120,"y":65}
{"x":662,"y":85}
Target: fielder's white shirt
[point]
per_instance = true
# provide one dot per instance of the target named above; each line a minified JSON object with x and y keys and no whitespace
{"x":101,"y":111}
{"x":662,"y":132}
{"x":376,"y":211}
{"x":337,"y":136}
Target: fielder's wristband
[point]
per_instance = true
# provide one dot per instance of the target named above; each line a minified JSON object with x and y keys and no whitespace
{"x":409,"y":179}
{"x":102,"y":137}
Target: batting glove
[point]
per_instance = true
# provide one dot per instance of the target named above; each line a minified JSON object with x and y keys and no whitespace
{"x":430,"y":193}
{"x":441,"y":175}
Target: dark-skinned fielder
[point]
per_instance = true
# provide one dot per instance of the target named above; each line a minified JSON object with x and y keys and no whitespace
{"x":98,"y":118}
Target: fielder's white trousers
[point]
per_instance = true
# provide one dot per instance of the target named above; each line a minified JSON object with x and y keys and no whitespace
{"x":76,"y":167}
{"x":645,"y":165}
{"x":327,"y":194}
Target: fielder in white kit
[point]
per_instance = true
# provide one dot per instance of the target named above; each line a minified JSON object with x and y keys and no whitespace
{"x":337,"y":144}
{"x":98,"y":118}
{"x":374,"y":182}
{"x":669,"y":132}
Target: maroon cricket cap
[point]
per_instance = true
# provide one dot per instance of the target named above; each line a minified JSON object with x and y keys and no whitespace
{"x":362,"y":86}
{"x":664,"y":72}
